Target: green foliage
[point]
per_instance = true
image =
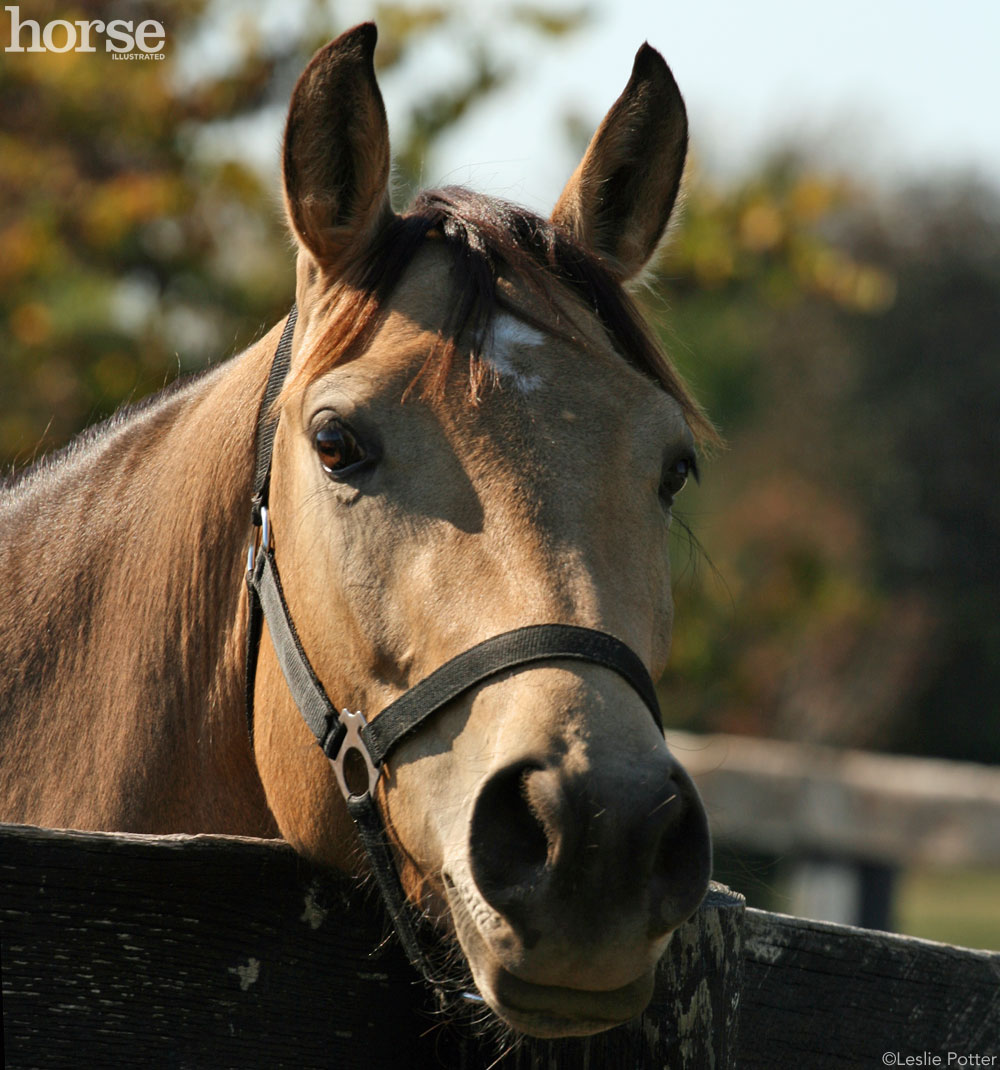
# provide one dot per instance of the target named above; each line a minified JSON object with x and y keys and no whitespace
{"x":561,"y":23}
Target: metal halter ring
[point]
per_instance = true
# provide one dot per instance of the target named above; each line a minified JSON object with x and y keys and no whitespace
{"x":353,"y":723}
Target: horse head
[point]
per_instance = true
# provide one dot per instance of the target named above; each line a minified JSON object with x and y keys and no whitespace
{"x":477,"y":434}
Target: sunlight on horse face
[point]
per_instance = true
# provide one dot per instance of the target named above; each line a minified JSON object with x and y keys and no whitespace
{"x":540,"y":818}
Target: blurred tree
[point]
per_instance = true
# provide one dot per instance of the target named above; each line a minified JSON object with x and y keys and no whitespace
{"x":926,"y":391}
{"x":122,"y":256}
{"x":848,"y":348}
{"x":768,"y":642}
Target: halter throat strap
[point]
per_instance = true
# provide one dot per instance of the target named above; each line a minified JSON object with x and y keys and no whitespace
{"x":373,"y":740}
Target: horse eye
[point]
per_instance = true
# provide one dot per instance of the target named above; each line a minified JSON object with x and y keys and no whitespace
{"x":675,"y":476}
{"x":338,"y":448}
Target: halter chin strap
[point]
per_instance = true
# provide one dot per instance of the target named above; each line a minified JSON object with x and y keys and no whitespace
{"x":372,"y":741}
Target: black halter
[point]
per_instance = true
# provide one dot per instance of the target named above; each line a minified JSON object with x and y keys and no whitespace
{"x":340,"y":733}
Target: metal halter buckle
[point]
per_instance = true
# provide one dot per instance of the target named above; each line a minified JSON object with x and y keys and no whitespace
{"x":265,"y":538}
{"x":353,"y":723}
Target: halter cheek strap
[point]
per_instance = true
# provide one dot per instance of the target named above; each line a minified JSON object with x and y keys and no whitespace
{"x":340,"y":734}
{"x":267,"y":426}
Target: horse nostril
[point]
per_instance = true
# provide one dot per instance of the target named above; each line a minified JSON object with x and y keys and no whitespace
{"x":508,"y":845}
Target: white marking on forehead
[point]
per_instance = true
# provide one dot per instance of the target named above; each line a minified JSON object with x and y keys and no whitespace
{"x":508,"y":333}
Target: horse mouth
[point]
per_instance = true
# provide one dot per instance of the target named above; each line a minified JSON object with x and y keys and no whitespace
{"x":543,"y":1010}
{"x":550,"y":1011}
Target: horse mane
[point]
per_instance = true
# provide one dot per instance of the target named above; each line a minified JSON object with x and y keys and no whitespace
{"x":18,"y":478}
{"x":488,"y":238}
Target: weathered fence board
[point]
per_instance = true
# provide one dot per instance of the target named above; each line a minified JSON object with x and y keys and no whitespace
{"x":828,"y":996}
{"x":208,"y":952}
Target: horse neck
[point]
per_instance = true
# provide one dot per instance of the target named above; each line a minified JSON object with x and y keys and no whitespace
{"x":124,"y":621}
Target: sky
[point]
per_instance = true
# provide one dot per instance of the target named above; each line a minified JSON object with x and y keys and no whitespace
{"x":889,"y":88}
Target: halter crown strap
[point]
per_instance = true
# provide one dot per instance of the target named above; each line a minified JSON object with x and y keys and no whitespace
{"x":267,"y":417}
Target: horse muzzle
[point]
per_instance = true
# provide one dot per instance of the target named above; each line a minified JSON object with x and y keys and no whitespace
{"x":573,"y":883}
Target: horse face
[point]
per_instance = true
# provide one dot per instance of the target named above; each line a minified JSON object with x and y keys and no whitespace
{"x":540,"y":818}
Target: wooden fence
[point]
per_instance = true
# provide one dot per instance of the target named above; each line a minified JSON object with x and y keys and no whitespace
{"x":209,"y":952}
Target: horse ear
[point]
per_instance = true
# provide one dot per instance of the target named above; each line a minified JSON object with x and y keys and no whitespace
{"x":619,"y":200}
{"x":336,"y":150}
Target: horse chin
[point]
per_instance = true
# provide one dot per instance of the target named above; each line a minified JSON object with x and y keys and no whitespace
{"x":549,"y":1011}
{"x":543,"y":1010}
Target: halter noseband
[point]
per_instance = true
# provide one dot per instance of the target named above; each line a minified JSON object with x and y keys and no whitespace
{"x":338,"y":734}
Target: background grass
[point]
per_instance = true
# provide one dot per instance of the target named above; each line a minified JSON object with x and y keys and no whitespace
{"x":956,"y":906}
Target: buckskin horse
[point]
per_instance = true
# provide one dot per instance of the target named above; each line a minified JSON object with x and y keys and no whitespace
{"x":454,"y":464}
